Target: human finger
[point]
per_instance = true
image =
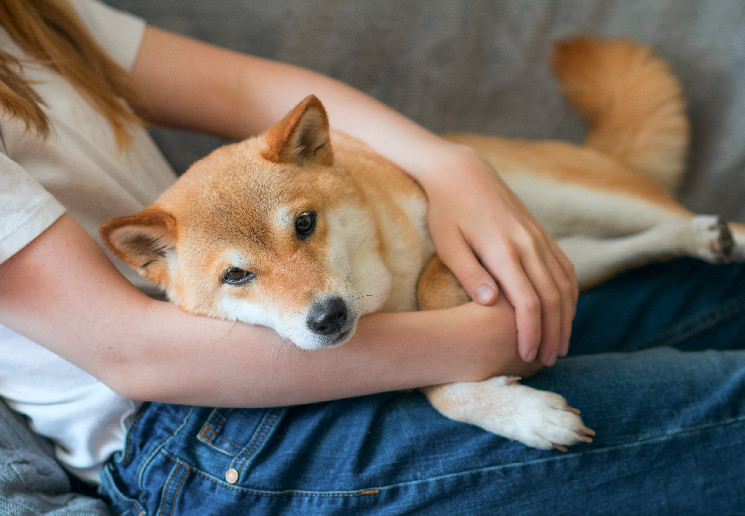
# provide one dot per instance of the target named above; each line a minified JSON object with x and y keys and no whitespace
{"x":522,"y":295}
{"x":539,"y":282}
{"x":554,"y":293}
{"x":456,"y":253}
{"x":567,"y":283}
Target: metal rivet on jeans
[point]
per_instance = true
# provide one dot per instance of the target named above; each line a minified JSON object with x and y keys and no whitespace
{"x":231,"y":476}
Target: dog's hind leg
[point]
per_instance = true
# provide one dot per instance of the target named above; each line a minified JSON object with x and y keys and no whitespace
{"x":706,"y":237}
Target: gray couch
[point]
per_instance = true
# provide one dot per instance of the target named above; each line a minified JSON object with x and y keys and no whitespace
{"x":474,"y":65}
{"x":480,"y":65}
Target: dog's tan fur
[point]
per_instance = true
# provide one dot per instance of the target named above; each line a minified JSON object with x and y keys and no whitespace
{"x":246,"y":208}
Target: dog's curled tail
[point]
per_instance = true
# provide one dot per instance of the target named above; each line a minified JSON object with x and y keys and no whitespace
{"x":632,"y":102}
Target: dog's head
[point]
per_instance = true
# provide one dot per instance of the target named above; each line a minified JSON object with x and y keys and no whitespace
{"x":267,"y":231}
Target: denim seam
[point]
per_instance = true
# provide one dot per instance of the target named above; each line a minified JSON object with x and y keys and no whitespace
{"x":160,"y":448}
{"x":214,"y":431}
{"x":171,"y":498}
{"x":208,"y":427}
{"x":378,"y":489}
{"x":340,"y":494}
{"x":264,"y":429}
{"x":697,"y":324}
{"x":223,"y":417}
{"x":605,"y":449}
{"x":674,"y":433}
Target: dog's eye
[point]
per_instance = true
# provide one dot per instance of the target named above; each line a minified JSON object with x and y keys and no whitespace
{"x":305,"y":224}
{"x":236,"y":276}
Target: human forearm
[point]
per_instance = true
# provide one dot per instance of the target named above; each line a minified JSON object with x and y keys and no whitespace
{"x":250,"y":366}
{"x":83,"y":310}
{"x":481,"y":230}
{"x":235,"y":95}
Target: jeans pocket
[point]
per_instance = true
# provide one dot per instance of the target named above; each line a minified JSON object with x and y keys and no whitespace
{"x":223,"y":444}
{"x":174,"y":454}
{"x":228,"y":434}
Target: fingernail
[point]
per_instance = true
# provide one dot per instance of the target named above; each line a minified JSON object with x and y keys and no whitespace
{"x":484,"y":294}
{"x":551,"y":359}
{"x":530,"y":356}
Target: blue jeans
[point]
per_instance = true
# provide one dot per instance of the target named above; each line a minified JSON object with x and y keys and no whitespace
{"x":670,"y":428}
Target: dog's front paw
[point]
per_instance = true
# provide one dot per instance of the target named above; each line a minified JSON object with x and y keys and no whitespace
{"x":540,"y":419}
{"x":713,"y":238}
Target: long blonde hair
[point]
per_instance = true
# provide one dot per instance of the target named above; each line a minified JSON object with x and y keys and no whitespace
{"x":50,"y":32}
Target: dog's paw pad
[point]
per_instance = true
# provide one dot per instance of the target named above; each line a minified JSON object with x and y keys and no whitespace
{"x":714,"y":238}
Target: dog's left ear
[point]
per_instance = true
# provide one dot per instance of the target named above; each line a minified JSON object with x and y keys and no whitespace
{"x":302,"y":136}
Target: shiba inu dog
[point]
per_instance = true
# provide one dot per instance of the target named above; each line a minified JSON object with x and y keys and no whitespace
{"x":304,"y":229}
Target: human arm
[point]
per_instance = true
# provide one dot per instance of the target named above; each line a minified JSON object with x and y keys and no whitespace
{"x":480,"y":229}
{"x":62,"y":292}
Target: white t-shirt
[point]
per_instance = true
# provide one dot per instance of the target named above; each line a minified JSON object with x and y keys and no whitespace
{"x":77,"y":170}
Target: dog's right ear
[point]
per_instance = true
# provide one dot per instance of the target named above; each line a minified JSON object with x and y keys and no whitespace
{"x":143,"y":241}
{"x":301,"y":136}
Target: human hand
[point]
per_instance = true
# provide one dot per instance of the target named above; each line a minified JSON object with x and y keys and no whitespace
{"x":487,"y":237}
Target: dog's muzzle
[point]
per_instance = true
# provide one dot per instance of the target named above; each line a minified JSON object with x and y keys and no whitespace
{"x":330,"y":318}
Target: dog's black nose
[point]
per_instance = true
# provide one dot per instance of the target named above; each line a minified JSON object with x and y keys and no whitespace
{"x":328,"y":316}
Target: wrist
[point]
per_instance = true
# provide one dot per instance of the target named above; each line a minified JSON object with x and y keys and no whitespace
{"x":488,"y":341}
{"x":447,"y":161}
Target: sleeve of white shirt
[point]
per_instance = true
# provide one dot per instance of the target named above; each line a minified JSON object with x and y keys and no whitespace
{"x":119,"y":33}
{"x":26,"y":208}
